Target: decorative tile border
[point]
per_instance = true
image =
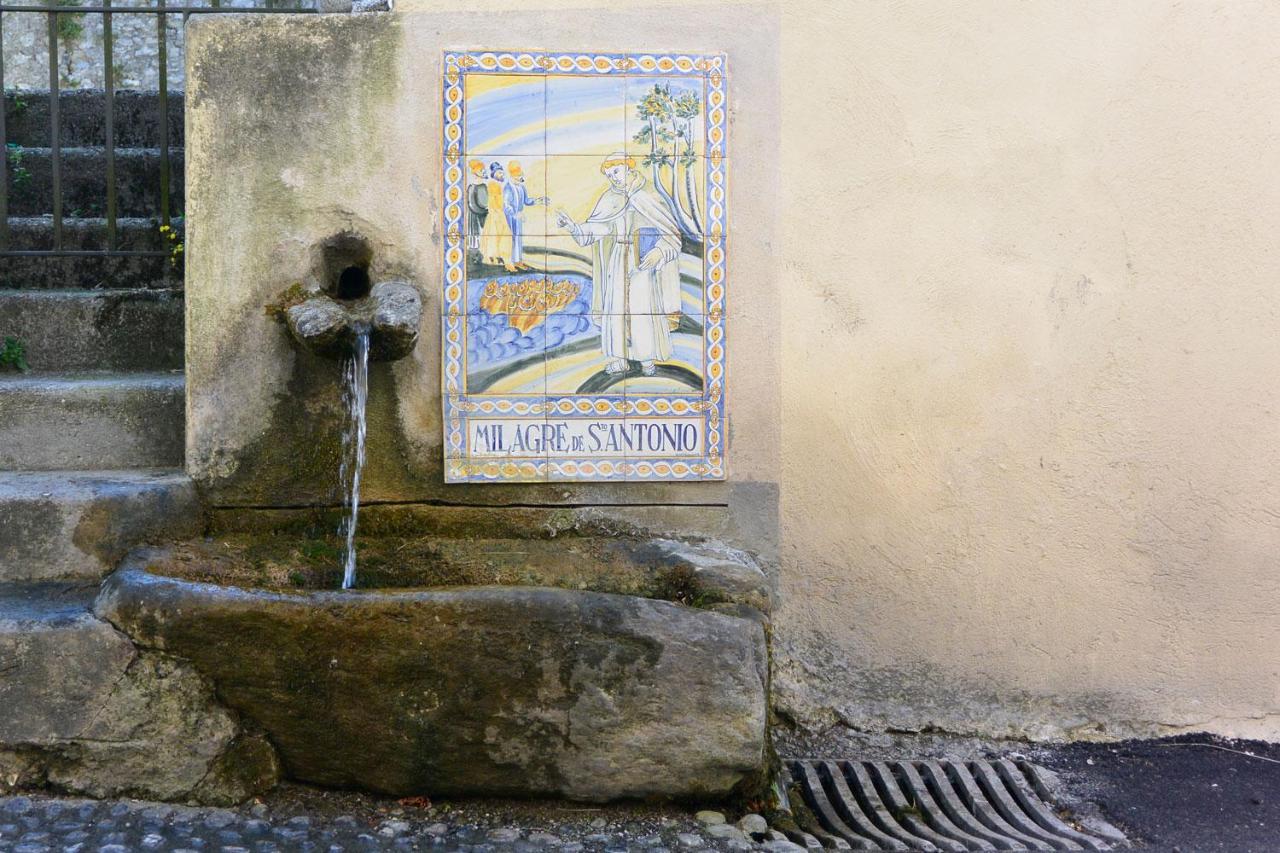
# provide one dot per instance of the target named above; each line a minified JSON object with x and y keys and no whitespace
{"x":555,"y":62}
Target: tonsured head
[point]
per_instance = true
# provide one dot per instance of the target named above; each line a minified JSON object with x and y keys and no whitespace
{"x":617,"y":168}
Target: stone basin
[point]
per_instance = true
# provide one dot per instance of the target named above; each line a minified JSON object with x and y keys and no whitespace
{"x":472,"y":690}
{"x":703,"y":574}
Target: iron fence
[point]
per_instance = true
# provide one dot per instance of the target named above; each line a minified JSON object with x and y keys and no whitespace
{"x":161,"y":10}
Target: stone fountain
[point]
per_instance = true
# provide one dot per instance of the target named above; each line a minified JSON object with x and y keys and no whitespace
{"x":591,"y":640}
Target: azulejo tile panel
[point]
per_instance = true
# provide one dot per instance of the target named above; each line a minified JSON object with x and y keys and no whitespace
{"x":585,"y":275}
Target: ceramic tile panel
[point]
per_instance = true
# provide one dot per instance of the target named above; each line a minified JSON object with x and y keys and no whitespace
{"x":505,"y":116}
{"x":665,"y":117}
{"x":495,"y":428}
{"x":586,"y":116}
{"x":585,"y":266}
{"x":522,"y":199}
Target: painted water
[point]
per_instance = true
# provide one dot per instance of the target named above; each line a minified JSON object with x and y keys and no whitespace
{"x":355,"y":394}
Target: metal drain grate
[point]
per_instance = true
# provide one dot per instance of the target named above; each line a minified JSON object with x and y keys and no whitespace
{"x":934,"y":805}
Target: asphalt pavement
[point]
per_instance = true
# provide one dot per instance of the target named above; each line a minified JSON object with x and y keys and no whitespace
{"x":1191,"y":794}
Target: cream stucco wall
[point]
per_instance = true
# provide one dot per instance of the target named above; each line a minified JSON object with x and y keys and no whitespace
{"x":1029,"y":400}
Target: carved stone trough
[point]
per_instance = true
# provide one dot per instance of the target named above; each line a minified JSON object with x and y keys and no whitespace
{"x":506,"y":690}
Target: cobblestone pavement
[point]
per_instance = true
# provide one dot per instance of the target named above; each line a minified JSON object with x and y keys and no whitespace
{"x":305,"y":820}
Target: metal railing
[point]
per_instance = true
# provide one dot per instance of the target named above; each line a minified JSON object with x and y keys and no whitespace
{"x":161,"y":10}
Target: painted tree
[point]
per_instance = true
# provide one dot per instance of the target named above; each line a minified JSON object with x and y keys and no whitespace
{"x":669,"y":127}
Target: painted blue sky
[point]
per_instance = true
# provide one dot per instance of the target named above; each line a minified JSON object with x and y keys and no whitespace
{"x":537,"y":116}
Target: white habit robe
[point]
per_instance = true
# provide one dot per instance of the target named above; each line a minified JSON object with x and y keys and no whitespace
{"x":632,"y":304}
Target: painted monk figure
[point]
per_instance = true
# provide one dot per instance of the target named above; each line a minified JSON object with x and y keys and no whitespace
{"x":635,"y":267}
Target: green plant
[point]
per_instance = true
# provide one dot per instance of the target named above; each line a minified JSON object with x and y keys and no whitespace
{"x":70,"y":24}
{"x":19,"y":105}
{"x":21,"y":177}
{"x":13,"y":354}
{"x":176,"y":246}
{"x":70,"y":29}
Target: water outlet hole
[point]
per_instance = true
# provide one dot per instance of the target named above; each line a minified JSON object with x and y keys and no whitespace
{"x":353,"y":283}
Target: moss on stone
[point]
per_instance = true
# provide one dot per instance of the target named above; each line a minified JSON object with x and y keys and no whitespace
{"x":681,"y":584}
{"x":290,"y":562}
{"x":294,"y":294}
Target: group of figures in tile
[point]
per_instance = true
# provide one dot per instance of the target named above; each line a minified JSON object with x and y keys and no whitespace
{"x":584,"y":284}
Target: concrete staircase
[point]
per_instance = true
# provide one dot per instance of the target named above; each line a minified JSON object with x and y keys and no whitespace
{"x":91,"y":438}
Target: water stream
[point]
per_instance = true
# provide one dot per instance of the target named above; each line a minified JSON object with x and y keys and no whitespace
{"x":355,"y":393}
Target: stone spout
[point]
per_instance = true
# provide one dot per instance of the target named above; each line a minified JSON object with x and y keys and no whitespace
{"x":392,"y":313}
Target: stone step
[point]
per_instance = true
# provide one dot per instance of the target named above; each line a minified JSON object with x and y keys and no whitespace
{"x":35,"y":233}
{"x":82,"y":710}
{"x":89,"y":233}
{"x":92,"y":272}
{"x":78,"y":524}
{"x":82,"y":118}
{"x":84,"y":181}
{"x":67,"y":330}
{"x":91,"y":422}
{"x":43,"y":625}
